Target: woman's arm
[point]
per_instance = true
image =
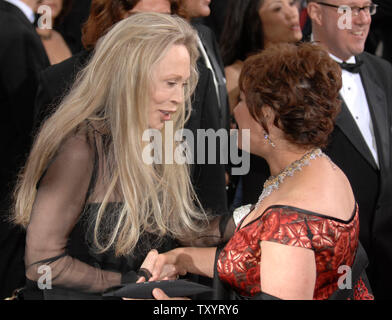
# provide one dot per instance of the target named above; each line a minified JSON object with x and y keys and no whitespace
{"x":59,"y":203}
{"x":186,"y":260}
{"x":287,"y":272}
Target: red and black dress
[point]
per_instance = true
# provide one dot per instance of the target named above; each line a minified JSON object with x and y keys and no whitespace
{"x":334,"y":242}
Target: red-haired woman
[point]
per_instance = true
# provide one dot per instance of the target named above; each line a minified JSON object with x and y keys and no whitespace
{"x":302,"y":235}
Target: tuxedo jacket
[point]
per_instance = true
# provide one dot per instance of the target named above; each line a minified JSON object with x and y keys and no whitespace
{"x":372,"y":185}
{"x":22,"y":56}
{"x":209,"y":179}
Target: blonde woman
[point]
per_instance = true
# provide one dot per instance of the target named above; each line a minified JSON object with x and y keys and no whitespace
{"x":92,"y":207}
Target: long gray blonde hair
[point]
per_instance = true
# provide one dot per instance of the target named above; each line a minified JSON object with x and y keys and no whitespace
{"x":112,"y":93}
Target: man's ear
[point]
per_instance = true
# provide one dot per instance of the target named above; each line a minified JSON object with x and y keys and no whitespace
{"x":314,"y":12}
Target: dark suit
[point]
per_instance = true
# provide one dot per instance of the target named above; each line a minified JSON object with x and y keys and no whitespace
{"x":22,"y":57}
{"x":372,"y":186}
{"x":209,"y":179}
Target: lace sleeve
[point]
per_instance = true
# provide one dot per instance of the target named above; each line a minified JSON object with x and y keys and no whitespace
{"x":60,"y":200}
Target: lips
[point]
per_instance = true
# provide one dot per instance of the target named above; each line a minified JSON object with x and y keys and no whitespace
{"x":166,"y":114}
{"x":358,"y":33}
{"x":295,"y":27}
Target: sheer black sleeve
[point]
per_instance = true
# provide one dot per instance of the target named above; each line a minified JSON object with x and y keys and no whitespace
{"x":60,"y":200}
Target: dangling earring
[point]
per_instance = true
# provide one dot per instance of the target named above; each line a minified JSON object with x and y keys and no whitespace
{"x":266,"y":137}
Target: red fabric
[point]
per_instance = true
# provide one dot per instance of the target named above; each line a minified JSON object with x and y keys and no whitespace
{"x":303,"y":17}
{"x":334,"y":244}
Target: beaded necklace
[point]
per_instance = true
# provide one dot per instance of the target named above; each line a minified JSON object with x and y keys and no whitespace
{"x":274,"y":182}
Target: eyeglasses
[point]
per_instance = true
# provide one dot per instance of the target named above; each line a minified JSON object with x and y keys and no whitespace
{"x":370,"y":9}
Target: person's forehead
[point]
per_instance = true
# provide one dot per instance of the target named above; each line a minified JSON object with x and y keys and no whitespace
{"x":162,"y":6}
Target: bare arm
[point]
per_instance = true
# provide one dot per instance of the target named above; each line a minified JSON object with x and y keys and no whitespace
{"x":287,"y":272}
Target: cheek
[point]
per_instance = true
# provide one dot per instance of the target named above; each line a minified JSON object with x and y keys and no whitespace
{"x":159,"y":96}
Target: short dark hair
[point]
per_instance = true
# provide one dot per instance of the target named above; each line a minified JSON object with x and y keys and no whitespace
{"x":301,"y":84}
{"x":66,"y":9}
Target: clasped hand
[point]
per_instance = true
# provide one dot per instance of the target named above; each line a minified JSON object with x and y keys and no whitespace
{"x":162,"y":267}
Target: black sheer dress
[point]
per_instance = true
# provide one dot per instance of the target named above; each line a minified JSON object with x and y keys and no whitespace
{"x":60,"y":232}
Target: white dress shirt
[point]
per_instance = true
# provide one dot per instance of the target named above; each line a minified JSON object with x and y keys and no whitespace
{"x":29,"y":13}
{"x":354,"y":96}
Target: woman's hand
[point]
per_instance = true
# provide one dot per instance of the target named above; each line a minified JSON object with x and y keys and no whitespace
{"x":148,"y":264}
{"x":168,"y":266}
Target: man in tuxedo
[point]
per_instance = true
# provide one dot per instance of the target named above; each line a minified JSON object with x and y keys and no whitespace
{"x":361,"y":141}
{"x":22,"y":57}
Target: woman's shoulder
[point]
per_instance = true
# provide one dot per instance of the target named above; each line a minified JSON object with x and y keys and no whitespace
{"x":77,"y":148}
{"x":322,"y":188}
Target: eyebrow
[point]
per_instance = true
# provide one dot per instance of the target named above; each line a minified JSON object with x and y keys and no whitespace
{"x":175,"y":76}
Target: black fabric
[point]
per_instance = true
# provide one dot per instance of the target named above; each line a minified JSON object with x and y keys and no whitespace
{"x":61,"y":227}
{"x":22,"y":57}
{"x":71,"y":26}
{"x":358,"y":270}
{"x":54,"y":83}
{"x":208,"y":179}
{"x":216,"y":19}
{"x":172,"y":288}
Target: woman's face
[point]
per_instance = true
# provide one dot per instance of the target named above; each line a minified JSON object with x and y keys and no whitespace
{"x":196,"y":8}
{"x":169,"y":78}
{"x":55,"y":5}
{"x":246,"y":121}
{"x":280,"y":21}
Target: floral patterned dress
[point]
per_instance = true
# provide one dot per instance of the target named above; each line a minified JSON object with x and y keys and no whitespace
{"x":333,"y":241}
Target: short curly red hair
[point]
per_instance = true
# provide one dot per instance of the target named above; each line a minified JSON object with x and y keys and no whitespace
{"x":301,"y":83}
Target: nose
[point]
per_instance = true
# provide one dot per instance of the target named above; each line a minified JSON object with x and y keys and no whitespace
{"x":178,"y":95}
{"x":363,"y":17}
{"x":292,"y":13}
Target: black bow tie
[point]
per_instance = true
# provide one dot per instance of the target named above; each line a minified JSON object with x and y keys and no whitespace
{"x":351,"y":67}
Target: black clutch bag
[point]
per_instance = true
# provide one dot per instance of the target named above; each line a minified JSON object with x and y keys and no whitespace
{"x":173,"y":288}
